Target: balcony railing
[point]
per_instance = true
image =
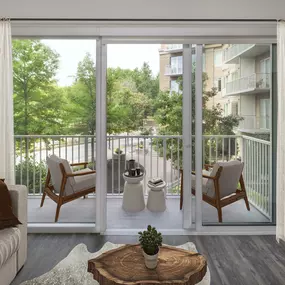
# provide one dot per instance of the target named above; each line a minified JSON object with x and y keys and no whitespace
{"x":256,"y":81}
{"x":173,"y":70}
{"x":235,"y":50}
{"x":158,"y":155}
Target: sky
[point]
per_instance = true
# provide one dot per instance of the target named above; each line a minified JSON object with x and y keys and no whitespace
{"x":118,"y":55}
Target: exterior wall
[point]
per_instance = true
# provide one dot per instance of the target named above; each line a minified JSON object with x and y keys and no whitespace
{"x":246,"y":67}
{"x":247,"y":111}
{"x":164,"y":81}
{"x":147,"y":9}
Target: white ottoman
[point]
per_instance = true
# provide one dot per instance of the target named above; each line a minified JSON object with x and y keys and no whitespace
{"x":156,"y":198}
{"x":133,"y":198}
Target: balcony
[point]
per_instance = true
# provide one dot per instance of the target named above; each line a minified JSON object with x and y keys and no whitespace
{"x":232,"y":54}
{"x":252,"y":84}
{"x":173,"y":70}
{"x":254,"y":125}
{"x":160,"y":156}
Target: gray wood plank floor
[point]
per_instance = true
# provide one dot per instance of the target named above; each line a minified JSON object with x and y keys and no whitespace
{"x":252,"y":260}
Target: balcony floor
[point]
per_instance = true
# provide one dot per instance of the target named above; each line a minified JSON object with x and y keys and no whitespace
{"x":83,"y":211}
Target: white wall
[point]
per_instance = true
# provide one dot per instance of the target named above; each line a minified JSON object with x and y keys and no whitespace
{"x":144,"y":9}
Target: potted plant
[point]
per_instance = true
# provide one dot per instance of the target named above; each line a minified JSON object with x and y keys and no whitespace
{"x":150,"y":241}
{"x":118,"y":153}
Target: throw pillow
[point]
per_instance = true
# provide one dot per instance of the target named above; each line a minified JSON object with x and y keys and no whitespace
{"x":7,"y":218}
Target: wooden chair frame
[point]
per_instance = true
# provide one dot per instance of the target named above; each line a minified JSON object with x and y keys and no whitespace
{"x":60,"y":198}
{"x":216,"y":201}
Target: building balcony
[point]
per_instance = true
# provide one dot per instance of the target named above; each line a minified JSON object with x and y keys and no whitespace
{"x":171,"y":70}
{"x":232,"y":54}
{"x":160,"y":156}
{"x":252,"y":124}
{"x":252,"y":84}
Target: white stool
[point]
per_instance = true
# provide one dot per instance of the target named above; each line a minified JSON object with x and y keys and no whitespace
{"x":133,"y":198}
{"x":156,"y":198}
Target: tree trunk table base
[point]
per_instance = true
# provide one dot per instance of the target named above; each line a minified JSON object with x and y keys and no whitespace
{"x":125,"y":265}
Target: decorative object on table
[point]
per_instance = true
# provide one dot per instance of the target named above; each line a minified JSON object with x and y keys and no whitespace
{"x":125,"y":265}
{"x":132,"y":172}
{"x":220,"y":185}
{"x":72,"y":270}
{"x":156,"y":196}
{"x":138,"y":170}
{"x":131,"y":164}
{"x":156,"y":182}
{"x":150,"y":241}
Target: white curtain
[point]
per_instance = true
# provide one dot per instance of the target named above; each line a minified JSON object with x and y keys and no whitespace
{"x":280,"y":186}
{"x":6,"y":104}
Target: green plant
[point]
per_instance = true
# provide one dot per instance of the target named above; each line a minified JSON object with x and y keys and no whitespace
{"x":117,"y":151}
{"x":150,"y":240}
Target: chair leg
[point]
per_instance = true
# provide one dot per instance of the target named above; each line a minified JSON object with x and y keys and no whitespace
{"x":43,"y":199}
{"x":246,"y":202}
{"x":57,"y":211}
{"x":181,"y":199}
{"x":220,"y":215}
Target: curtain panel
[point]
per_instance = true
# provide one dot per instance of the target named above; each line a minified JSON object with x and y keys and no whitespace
{"x":6,"y":104}
{"x":280,"y":185}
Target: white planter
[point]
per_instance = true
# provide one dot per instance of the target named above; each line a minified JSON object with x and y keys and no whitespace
{"x":116,"y":156}
{"x":150,"y":260}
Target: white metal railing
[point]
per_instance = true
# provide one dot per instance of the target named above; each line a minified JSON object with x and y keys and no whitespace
{"x":257,"y":169}
{"x":235,"y":50}
{"x":248,"y":83}
{"x":173,"y":70}
{"x":158,"y":155}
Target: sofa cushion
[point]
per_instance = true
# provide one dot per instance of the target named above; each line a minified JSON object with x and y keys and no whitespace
{"x":9,"y":243}
{"x":7,"y":217}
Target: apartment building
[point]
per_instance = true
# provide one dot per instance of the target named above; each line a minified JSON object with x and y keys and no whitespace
{"x":241,"y":74}
{"x":246,"y":85}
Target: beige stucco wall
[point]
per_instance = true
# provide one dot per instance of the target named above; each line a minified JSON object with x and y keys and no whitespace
{"x":164,"y":81}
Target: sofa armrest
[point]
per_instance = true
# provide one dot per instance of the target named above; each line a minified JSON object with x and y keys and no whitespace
{"x":19,"y":196}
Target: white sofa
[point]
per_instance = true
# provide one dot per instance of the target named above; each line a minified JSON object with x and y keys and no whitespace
{"x":13,"y":241}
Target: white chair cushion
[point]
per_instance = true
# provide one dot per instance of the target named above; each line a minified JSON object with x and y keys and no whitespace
{"x":206,"y":187}
{"x":230,"y":176}
{"x":55,"y":172}
{"x":9,"y":243}
{"x":84,"y":182}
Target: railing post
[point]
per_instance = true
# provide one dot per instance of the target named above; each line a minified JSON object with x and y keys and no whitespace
{"x":86,"y":148}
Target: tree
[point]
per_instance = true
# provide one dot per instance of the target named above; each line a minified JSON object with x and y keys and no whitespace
{"x":36,"y":95}
{"x":38,"y":101}
{"x":169,"y":117}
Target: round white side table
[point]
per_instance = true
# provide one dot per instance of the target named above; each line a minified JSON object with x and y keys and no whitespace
{"x":133,"y":198}
{"x":156,"y":198}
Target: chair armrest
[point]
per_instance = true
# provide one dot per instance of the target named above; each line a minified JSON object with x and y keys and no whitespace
{"x":207,"y":166}
{"x":80,"y":173}
{"x":206,"y":176}
{"x":19,"y":197}
{"x":79,"y":163}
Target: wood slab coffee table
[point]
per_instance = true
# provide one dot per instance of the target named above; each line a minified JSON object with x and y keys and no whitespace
{"x":125,"y":265}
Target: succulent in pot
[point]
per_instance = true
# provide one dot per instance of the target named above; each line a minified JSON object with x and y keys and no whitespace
{"x":150,"y":241}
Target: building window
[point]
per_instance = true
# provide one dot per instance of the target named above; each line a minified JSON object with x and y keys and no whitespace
{"x":218,"y":84}
{"x":226,"y":109}
{"x":174,"y":86}
{"x":234,"y":108}
{"x":218,"y":58}
{"x":176,"y":64}
{"x":264,"y":122}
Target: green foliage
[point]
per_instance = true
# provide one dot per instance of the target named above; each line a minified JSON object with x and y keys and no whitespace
{"x":32,"y":174}
{"x":150,"y":240}
{"x":118,"y":151}
{"x":169,"y":118}
{"x":38,"y":101}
